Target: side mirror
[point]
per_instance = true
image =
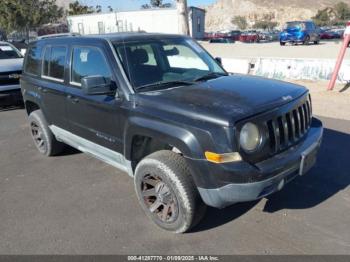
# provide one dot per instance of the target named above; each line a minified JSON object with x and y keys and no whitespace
{"x":172,"y":52}
{"x":96,"y":85}
{"x":219,"y":60}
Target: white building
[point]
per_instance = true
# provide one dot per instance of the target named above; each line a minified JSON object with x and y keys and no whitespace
{"x":148,"y":20}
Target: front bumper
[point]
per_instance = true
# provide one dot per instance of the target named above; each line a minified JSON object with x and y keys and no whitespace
{"x":292,"y":39}
{"x":284,"y":167}
{"x":10,"y":95}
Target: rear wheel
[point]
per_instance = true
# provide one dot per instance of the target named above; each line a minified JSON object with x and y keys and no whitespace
{"x":307,"y":40}
{"x":282,"y":43}
{"x":167,"y":193}
{"x":42,"y":136}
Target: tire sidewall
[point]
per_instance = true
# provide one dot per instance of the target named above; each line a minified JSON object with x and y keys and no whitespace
{"x":153,"y":166}
{"x":38,"y":118}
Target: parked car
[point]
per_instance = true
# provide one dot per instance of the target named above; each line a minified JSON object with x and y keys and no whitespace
{"x":338,"y":33}
{"x":11,"y":61}
{"x":221,"y":41}
{"x":329,"y":34}
{"x":300,"y":32}
{"x":250,"y":37}
{"x":234,"y":35}
{"x":187,"y":132}
{"x":214,"y":35}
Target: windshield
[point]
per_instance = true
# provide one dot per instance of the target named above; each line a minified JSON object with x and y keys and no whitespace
{"x":8,"y":52}
{"x":173,"y":60}
{"x":295,"y":25}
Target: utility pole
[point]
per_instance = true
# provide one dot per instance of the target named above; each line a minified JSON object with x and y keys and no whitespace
{"x":183,"y":17}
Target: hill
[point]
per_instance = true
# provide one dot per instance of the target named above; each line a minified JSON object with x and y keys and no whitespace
{"x":220,"y":14}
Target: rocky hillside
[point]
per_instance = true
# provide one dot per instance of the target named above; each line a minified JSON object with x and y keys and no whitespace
{"x":220,"y":14}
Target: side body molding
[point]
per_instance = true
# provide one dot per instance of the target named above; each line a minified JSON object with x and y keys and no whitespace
{"x":104,"y":154}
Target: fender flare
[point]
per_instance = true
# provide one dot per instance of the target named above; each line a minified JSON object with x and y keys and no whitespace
{"x":176,"y":136}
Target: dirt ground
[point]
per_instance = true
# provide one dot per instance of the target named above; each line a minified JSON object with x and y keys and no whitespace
{"x":333,"y":104}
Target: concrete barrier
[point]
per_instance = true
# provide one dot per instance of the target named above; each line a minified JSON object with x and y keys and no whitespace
{"x":287,"y":68}
{"x":241,"y":66}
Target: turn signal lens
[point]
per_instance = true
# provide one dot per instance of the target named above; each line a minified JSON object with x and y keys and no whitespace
{"x":222,"y":158}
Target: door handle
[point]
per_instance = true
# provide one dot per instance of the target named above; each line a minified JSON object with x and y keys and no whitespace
{"x":44,"y":90}
{"x":73,"y":99}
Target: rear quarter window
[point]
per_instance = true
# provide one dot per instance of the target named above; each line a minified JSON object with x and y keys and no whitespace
{"x":33,"y":60}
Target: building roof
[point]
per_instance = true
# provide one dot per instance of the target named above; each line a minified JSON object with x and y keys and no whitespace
{"x":133,"y":11}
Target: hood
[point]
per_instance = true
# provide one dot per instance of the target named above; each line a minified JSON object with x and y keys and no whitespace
{"x":9,"y":65}
{"x":224,"y":100}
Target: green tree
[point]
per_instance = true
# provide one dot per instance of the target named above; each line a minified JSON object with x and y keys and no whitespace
{"x":156,"y":4}
{"x":110,"y":9}
{"x":241,"y":22}
{"x":265,"y":25}
{"x":28,"y":15}
{"x":76,"y":8}
{"x":323,"y":17}
{"x":342,"y":11}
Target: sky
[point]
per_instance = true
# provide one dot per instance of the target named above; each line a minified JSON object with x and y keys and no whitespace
{"x":123,"y":5}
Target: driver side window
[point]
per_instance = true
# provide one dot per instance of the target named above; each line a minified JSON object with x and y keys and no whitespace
{"x":88,"y":61}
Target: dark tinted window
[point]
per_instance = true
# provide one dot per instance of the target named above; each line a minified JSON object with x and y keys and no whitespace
{"x":8,"y":52}
{"x":33,"y":63}
{"x":88,"y":61}
{"x":54,"y":60}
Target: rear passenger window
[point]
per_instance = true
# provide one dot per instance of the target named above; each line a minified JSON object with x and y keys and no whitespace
{"x":88,"y":61}
{"x":54,"y":61}
{"x":33,"y":60}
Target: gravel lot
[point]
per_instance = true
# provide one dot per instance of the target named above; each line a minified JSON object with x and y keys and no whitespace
{"x":74,"y":204}
{"x":325,"y":50}
{"x":333,"y":104}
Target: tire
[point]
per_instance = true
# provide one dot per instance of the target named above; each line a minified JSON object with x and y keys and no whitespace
{"x":307,"y":40}
{"x":43,"y":138}
{"x":163,"y":182}
{"x":316,"y":42}
{"x":282,"y":43}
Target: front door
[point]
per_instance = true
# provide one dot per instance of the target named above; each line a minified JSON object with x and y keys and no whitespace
{"x":95,"y":118}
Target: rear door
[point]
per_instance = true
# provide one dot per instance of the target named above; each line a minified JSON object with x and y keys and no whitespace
{"x":44,"y":80}
{"x":52,"y":85}
{"x":95,"y":118}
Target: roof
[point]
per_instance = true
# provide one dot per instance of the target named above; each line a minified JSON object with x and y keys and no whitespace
{"x":129,"y":36}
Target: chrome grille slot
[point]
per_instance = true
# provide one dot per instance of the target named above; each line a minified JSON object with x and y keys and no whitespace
{"x":7,"y":79}
{"x":289,"y":128}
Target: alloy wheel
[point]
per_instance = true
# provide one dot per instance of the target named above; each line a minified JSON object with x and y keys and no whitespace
{"x":159,"y":199}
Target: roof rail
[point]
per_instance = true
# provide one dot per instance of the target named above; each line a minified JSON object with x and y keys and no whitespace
{"x":57,"y":35}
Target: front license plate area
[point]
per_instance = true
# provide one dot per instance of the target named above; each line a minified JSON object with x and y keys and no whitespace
{"x":308,"y":160}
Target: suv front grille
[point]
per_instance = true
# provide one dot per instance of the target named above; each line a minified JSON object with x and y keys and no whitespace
{"x":9,"y":78}
{"x":289,"y":128}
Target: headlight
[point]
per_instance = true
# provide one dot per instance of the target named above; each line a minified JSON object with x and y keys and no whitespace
{"x":250,"y":137}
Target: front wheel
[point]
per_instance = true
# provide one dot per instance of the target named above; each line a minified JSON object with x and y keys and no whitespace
{"x":282,"y":43}
{"x":167,"y":193}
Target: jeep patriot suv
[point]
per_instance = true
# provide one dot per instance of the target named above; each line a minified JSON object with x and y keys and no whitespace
{"x":160,"y":108}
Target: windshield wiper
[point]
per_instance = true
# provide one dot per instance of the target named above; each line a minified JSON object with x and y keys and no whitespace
{"x":209,"y":76}
{"x":165,"y":83}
